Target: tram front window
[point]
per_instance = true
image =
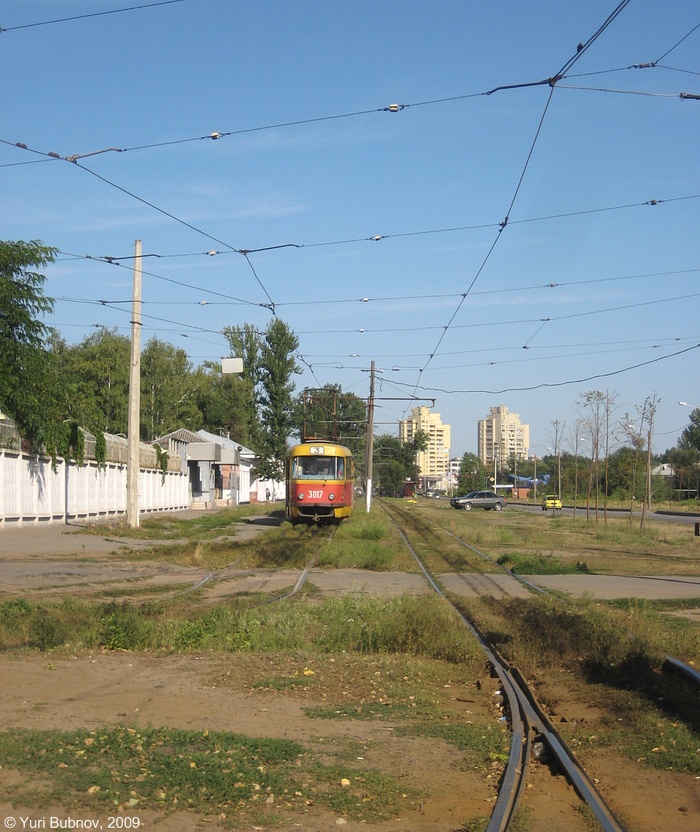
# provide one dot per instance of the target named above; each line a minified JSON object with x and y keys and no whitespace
{"x":310,"y":467}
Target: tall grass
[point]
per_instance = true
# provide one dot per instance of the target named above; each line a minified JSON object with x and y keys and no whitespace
{"x":366,"y":541}
{"x":419,"y":626}
{"x":546,"y":631}
{"x":539,"y":564}
{"x":617,"y":651}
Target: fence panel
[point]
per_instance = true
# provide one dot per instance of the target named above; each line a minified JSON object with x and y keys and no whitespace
{"x":31,"y":490}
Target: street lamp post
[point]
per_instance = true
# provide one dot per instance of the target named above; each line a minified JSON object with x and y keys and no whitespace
{"x":536,"y":459}
{"x":534,"y":479}
{"x":558,"y":454}
{"x":577,"y":440}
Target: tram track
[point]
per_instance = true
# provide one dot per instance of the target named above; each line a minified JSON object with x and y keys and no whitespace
{"x":689,"y":675}
{"x":528,"y":722}
{"x":230,"y":573}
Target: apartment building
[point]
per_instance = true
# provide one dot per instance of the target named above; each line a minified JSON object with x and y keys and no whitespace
{"x":501,"y":436}
{"x":434,"y":461}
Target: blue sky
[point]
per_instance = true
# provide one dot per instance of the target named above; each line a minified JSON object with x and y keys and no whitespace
{"x":480,"y":202}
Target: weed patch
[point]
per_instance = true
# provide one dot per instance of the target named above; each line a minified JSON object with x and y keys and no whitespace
{"x":541,"y":565}
{"x":150,"y":768}
{"x":165,"y":769}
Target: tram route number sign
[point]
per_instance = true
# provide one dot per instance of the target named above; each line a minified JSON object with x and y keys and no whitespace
{"x":316,"y":450}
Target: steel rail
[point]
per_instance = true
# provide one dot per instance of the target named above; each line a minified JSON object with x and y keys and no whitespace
{"x":509,"y":572}
{"x":301,"y":580}
{"x":670,"y":665}
{"x":513,"y":780}
{"x":526,"y":717}
{"x":225,"y":575}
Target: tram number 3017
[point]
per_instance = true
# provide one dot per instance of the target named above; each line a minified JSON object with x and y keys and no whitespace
{"x":315,"y":495}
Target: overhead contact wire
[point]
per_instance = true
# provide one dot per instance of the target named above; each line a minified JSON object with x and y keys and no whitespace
{"x":90,"y":14}
{"x":552,"y":83}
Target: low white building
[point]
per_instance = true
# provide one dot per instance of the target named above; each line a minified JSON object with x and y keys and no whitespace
{"x":221,"y":470}
{"x":251,"y":489}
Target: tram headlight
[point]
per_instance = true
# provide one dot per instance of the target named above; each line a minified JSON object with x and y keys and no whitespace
{"x":300,"y":496}
{"x":331,"y":496}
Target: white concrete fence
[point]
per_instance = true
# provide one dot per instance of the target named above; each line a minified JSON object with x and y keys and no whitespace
{"x":32,"y":492}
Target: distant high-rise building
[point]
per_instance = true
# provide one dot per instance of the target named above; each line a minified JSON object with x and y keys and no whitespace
{"x":502,"y":436}
{"x":434,"y":461}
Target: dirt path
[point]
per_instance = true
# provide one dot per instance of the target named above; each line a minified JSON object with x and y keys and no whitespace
{"x":208,"y":693}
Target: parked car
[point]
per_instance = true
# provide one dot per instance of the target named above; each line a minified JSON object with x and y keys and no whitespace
{"x":479,"y":499}
{"x":550,"y":501}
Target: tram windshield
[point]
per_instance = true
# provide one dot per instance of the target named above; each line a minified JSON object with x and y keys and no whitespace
{"x":318,"y":467}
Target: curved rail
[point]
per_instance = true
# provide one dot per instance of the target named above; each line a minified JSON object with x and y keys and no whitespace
{"x":513,"y":780}
{"x":509,"y":572}
{"x":526,"y":718}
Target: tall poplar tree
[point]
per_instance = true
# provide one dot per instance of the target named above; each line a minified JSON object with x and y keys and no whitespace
{"x":268,"y":366}
{"x":278,"y":365}
{"x":168,"y":390}
{"x":246,"y":342}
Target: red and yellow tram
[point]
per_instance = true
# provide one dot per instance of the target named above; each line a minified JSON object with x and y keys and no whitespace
{"x":320,"y":479}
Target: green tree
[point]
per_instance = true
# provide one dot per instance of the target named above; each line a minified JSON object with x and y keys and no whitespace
{"x":97,"y":374}
{"x":625,"y":477}
{"x":246,"y":342}
{"x":690,"y":438}
{"x":472,"y":474}
{"x":168,"y":390}
{"x":394,"y":461}
{"x":277,"y":367}
{"x":27,"y":380}
{"x":223,"y":402}
{"x":268,"y":367}
{"x":391,"y":477}
{"x":328,"y":413}
{"x":686,"y":464}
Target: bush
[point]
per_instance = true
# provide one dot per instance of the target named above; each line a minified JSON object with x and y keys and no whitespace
{"x":122,"y":628}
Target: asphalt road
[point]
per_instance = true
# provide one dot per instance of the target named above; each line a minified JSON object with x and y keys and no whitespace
{"x":667,"y":516}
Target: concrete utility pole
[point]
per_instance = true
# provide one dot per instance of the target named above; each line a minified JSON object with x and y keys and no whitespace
{"x":132,"y":465}
{"x":370,"y":440}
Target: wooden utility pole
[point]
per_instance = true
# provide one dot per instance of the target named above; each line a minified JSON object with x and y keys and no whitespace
{"x":370,"y":440}
{"x":133,"y":462}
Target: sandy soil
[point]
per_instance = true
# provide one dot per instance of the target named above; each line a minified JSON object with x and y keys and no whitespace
{"x":215,"y":693}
